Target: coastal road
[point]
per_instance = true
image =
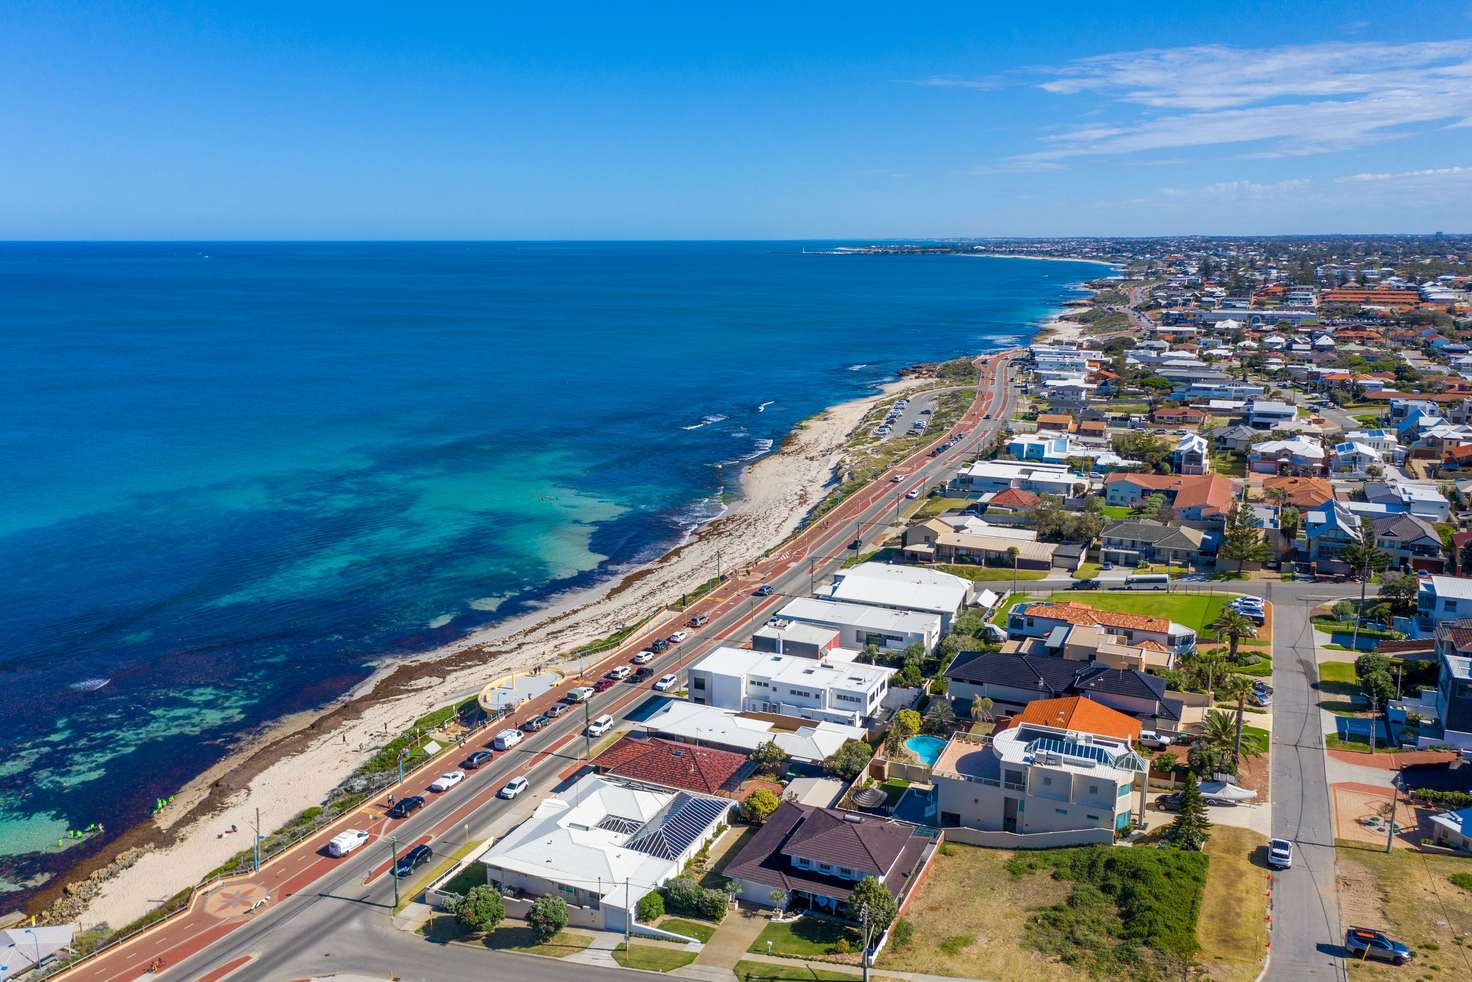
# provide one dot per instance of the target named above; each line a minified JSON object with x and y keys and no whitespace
{"x":314,"y":899}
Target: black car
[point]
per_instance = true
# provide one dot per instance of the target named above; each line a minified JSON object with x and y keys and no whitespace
{"x":643,"y":673}
{"x":1085,"y":585}
{"x":476,"y":759}
{"x":405,"y":807}
{"x":412,"y":860}
{"x":764,"y":591}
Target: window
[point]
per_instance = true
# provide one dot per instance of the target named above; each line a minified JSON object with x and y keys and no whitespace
{"x":1048,"y":781}
{"x":1449,"y":605}
{"x":825,"y":868}
{"x":697,"y":682}
{"x":1092,"y":818}
{"x":1061,"y":811}
{"x":1093,"y":789}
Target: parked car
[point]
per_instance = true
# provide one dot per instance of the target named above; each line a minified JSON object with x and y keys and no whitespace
{"x":1085,"y":585}
{"x":477,"y":759}
{"x":1107,"y":566}
{"x":1260,"y":700}
{"x":557,"y":709}
{"x":513,"y":787}
{"x":412,"y":860}
{"x":345,"y":842}
{"x":1365,"y":942}
{"x":659,"y":645}
{"x":679,"y":636}
{"x":764,"y":591}
{"x":1153,"y":740}
{"x":644,"y":672}
{"x":405,"y":807}
{"x":643,"y":657}
{"x":619,"y":673}
{"x":666,"y":683}
{"x":1280,"y":853}
{"x":699,"y":620}
{"x":603,"y":685}
{"x":447,"y":780}
{"x":536,"y":723}
{"x":581,"y":694}
{"x":506,"y":739}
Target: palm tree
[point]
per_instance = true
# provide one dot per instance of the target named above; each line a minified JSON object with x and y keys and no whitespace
{"x":1013,"y":553}
{"x":1208,"y":666}
{"x":1218,"y":730}
{"x":1234,"y":627}
{"x":1237,"y":687}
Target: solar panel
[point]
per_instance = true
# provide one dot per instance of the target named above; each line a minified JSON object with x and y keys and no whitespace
{"x":684,"y":821}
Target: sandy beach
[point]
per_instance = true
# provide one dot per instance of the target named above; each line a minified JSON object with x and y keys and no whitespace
{"x":297,"y":761}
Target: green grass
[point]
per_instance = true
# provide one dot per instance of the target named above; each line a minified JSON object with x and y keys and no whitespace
{"x":507,"y":937}
{"x":1117,"y":513}
{"x":806,"y":937}
{"x":1194,"y":610}
{"x":1228,"y":464}
{"x":1335,"y":742}
{"x":650,"y":957}
{"x":938,"y":506}
{"x":1232,"y":928}
{"x":1337,"y":673}
{"x":701,"y":931}
{"x":988,"y":574}
{"x":1255,"y":740}
{"x":753,"y":971}
{"x":1000,"y":617}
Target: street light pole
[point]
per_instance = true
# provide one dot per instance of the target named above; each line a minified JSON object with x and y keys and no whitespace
{"x":256,"y":841}
{"x":393,"y":871}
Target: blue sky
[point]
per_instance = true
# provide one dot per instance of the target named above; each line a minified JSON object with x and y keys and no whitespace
{"x":335,"y":120}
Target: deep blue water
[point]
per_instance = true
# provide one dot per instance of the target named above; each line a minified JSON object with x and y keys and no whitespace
{"x":234,"y":474}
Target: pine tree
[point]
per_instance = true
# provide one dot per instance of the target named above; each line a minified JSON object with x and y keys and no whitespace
{"x":1192,"y":828}
{"x":1242,"y":540}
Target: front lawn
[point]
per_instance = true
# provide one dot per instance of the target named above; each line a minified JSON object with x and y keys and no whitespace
{"x":1194,"y":610}
{"x":1232,"y":928}
{"x":1117,"y":513}
{"x":1000,"y":617}
{"x":988,"y":574}
{"x":511,"y":936}
{"x":701,"y":931}
{"x":806,"y":937}
{"x":748,"y":970}
{"x":941,"y":505}
{"x":1413,"y":898}
{"x":651,"y":957}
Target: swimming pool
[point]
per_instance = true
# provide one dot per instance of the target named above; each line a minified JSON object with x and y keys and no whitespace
{"x":927,"y":748}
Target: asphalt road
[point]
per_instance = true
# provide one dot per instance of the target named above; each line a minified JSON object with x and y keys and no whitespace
{"x":334,"y":915}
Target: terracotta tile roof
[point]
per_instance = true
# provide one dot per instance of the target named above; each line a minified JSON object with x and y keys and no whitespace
{"x":672,"y":764}
{"x":1076,"y":613}
{"x":1015,"y":498}
{"x":1150,"y":645}
{"x":1303,"y":492}
{"x":1080,"y":715}
{"x":1211,"y":492}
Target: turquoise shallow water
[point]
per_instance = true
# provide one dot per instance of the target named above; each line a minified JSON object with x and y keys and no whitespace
{"x":236,"y":473}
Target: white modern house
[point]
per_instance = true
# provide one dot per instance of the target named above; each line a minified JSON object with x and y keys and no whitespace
{"x":804,"y":741}
{"x":1443,"y":598}
{"x":1352,"y":459}
{"x":762,"y":682}
{"x":902,"y":587}
{"x":601,"y":846}
{"x":859,"y":625}
{"x":990,"y":476}
{"x":1266,"y":415}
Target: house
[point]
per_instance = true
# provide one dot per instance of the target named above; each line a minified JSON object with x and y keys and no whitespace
{"x":1040,"y":447}
{"x":1354,"y":460}
{"x":1012,"y":501}
{"x":1420,"y":498}
{"x":671,"y":764}
{"x":1453,"y":829}
{"x":601,"y":846}
{"x":1035,"y":777}
{"x":1299,"y":455}
{"x":1381,"y":441}
{"x":1302,"y":493}
{"x":987,"y":476}
{"x":902,"y":588}
{"x":1236,"y":438}
{"x":987,"y":550}
{"x":1038,"y":620}
{"x":827,"y":690}
{"x":1093,"y":428}
{"x":1014,"y":681}
{"x":1410,"y":542}
{"x":804,"y":741}
{"x":1454,"y":681}
{"x":860,"y":625}
{"x":1063,"y":422}
{"x":791,"y":638}
{"x":1178,"y":416}
{"x":1195,"y":498}
{"x":1330,"y":529}
{"x":1265,"y":415}
{"x":1191,"y":455}
{"x":1130,"y":543}
{"x":813,"y":857}
{"x":1441,"y":599}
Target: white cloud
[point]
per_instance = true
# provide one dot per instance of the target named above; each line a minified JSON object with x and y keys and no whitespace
{"x":1292,"y":100}
{"x":1252,"y":189}
{"x":939,"y":82}
{"x":1430,"y":173}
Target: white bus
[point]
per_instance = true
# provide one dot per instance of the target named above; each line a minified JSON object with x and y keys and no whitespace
{"x":1147,"y":581}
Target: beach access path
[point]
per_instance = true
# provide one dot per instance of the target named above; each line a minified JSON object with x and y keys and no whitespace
{"x":319,"y":904}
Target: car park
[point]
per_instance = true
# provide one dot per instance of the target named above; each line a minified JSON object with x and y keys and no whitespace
{"x":345,"y":842}
{"x":405,"y":807}
{"x":412,"y":860}
{"x":513,"y":787}
{"x":447,"y":780}
{"x":1280,"y":853}
{"x":643,"y":657}
{"x":1366,"y":943}
{"x":477,"y":759}
{"x":666,"y":683}
{"x":506,"y":739}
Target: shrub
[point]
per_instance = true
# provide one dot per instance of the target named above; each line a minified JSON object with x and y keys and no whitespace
{"x":840,"y":947}
{"x":903,"y":935}
{"x":684,"y":896}
{"x":1462,"y":880}
{"x":1442,"y":799}
{"x":848,"y":760}
{"x":547,"y":916}
{"x":758,"y":806}
{"x":651,"y":907}
{"x":480,"y":909}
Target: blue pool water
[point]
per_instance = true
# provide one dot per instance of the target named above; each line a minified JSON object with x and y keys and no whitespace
{"x":927,"y":748}
{"x":239,"y":474}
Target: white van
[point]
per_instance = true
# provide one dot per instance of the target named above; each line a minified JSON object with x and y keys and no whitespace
{"x":601,"y":725}
{"x":506,"y":739}
{"x":345,"y":842}
{"x":1147,"y":581}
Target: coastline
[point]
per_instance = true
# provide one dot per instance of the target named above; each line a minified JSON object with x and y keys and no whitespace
{"x":294,"y":762}
{"x":1045,"y":259}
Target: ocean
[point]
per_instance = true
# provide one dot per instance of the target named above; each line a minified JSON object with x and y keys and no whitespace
{"x":237,"y":474}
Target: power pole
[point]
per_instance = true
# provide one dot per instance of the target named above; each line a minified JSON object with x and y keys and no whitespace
{"x":864,"y":954}
{"x":1360,"y":610}
{"x":256,"y":841}
{"x":1374,"y":720}
{"x":628,"y":916}
{"x":1394,"y":800}
{"x":393,"y":871}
